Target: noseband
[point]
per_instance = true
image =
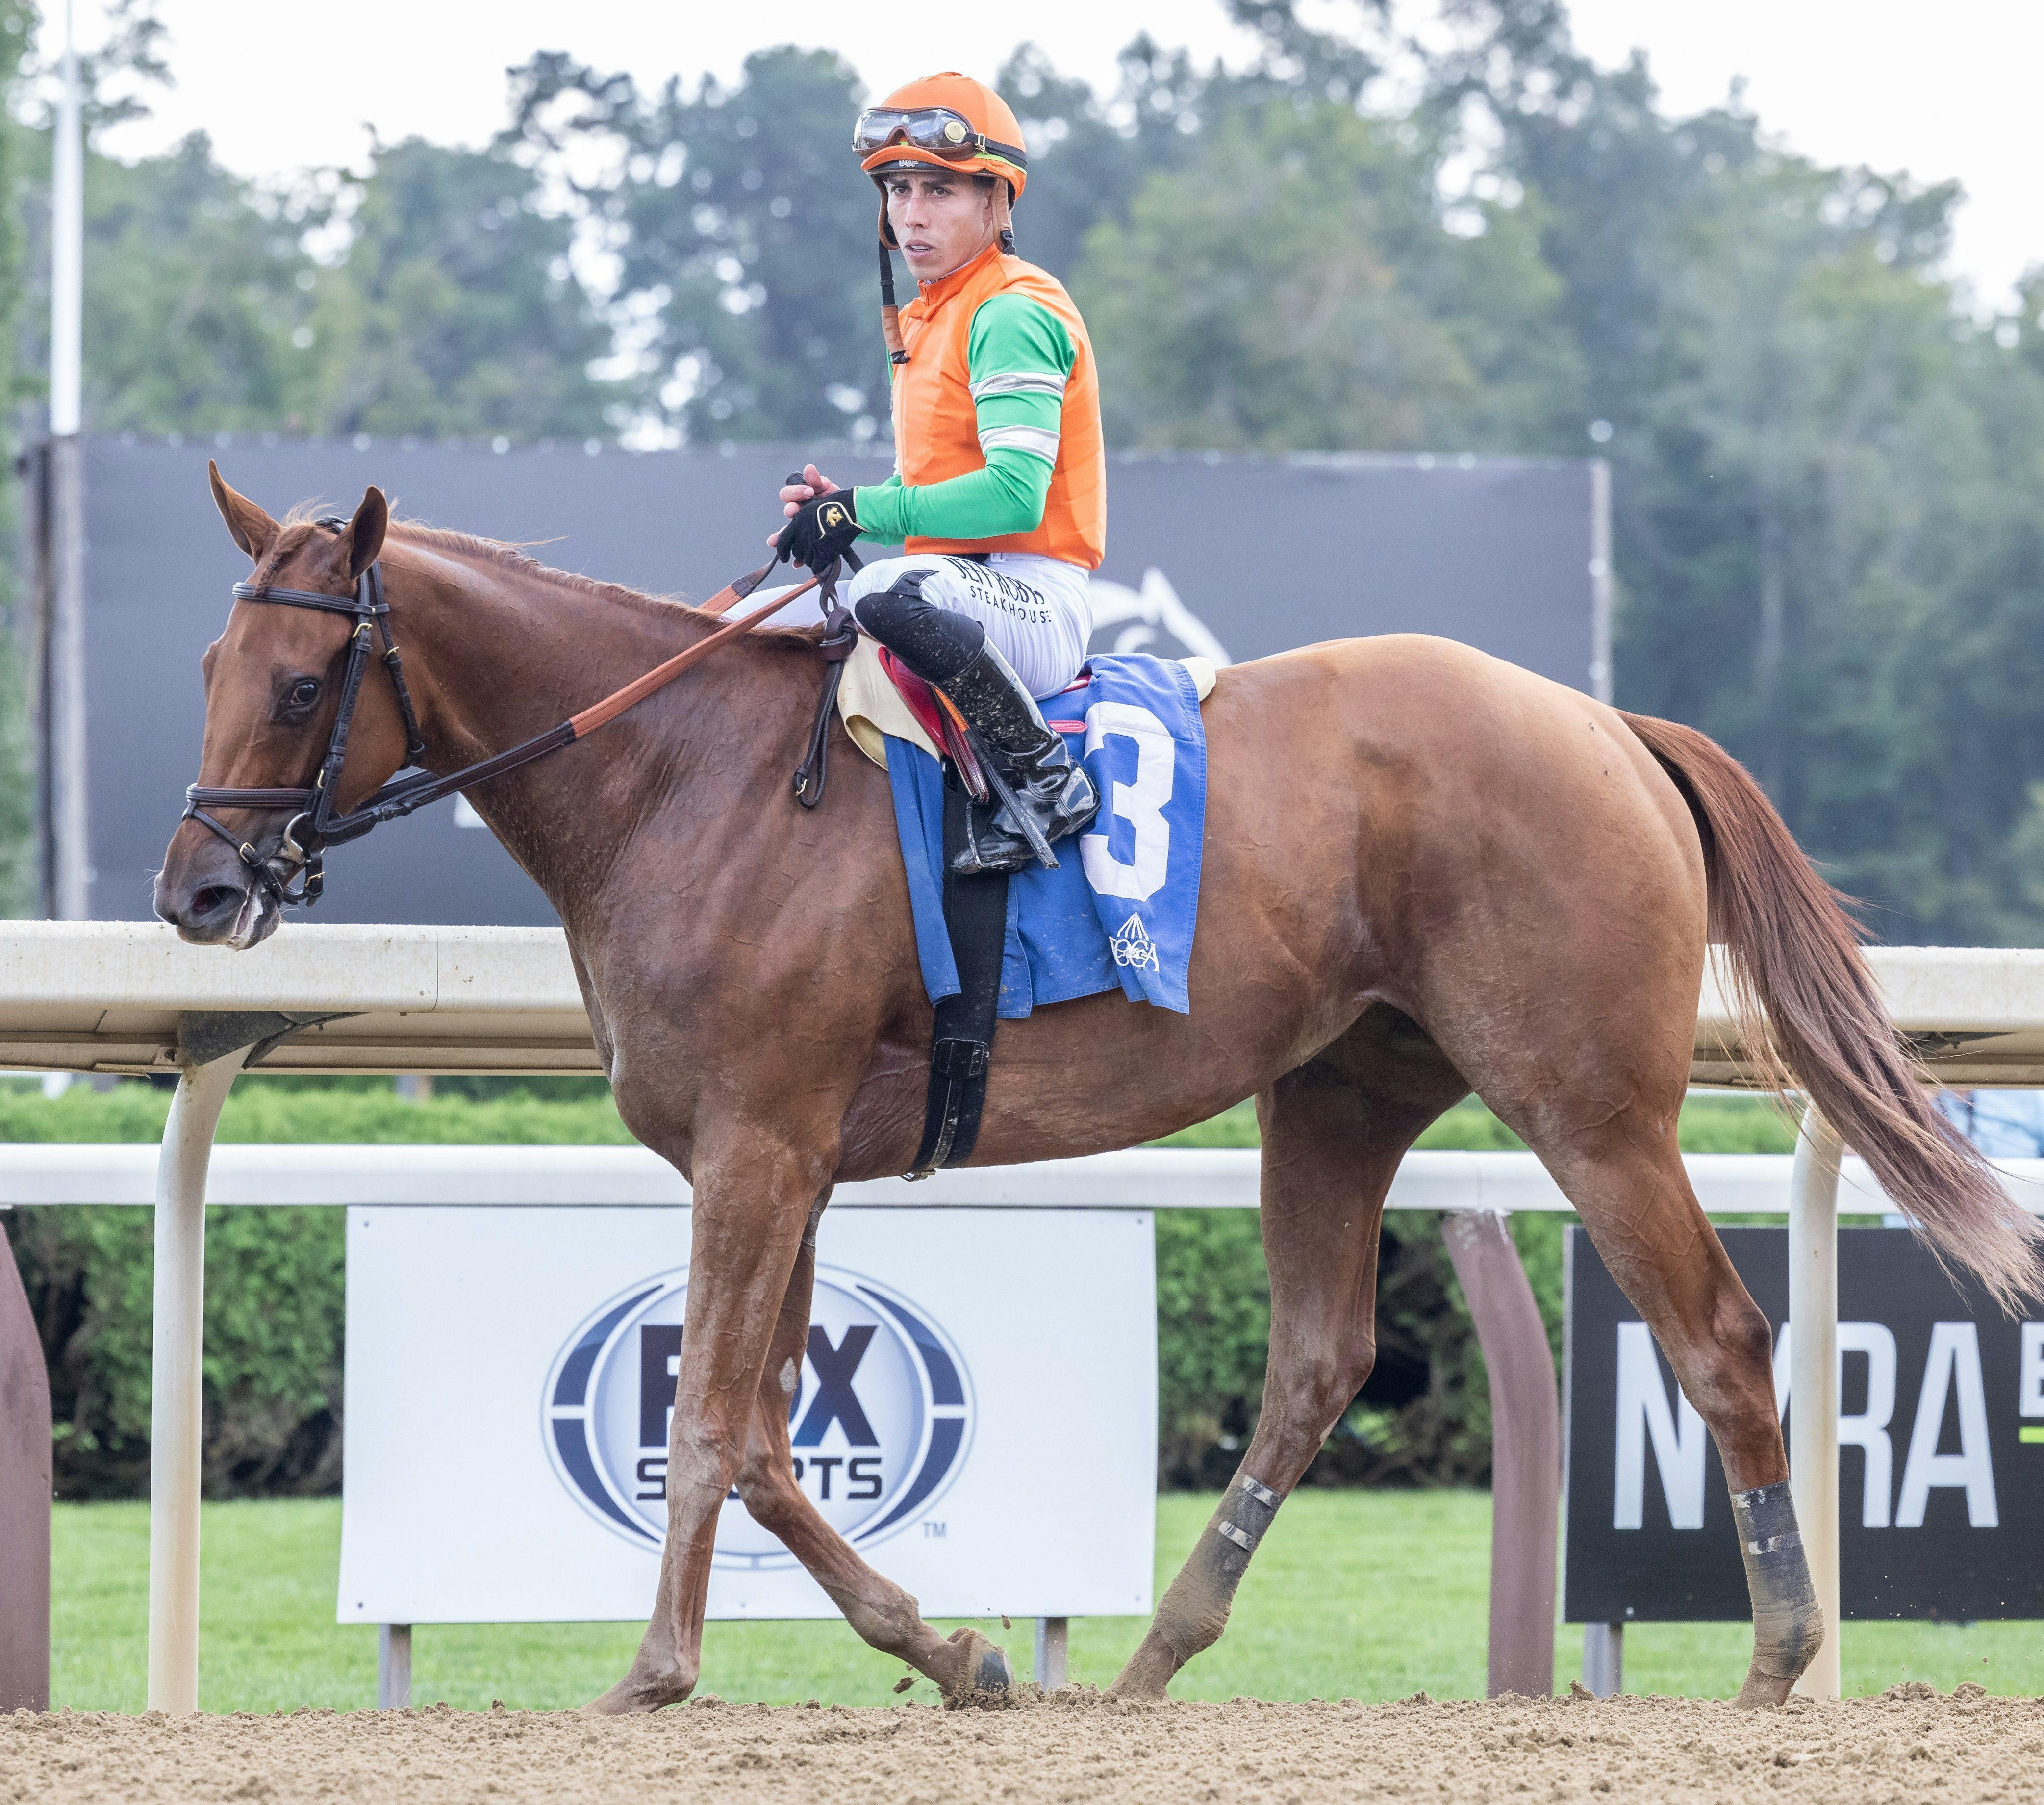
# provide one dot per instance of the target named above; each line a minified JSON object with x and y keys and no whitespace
{"x":315,"y":826}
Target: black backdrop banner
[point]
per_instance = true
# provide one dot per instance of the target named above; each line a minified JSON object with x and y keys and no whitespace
{"x":1227,"y":558}
{"x":1941,"y":1480}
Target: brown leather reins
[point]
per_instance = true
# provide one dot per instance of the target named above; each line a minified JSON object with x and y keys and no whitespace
{"x":300,"y":855}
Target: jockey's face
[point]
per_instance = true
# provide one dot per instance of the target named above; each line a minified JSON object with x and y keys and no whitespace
{"x":942,"y":220}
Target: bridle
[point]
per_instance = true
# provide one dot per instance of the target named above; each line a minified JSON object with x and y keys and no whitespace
{"x":315,"y":826}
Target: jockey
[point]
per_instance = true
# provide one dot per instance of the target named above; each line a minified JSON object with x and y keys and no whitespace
{"x":999,"y":490}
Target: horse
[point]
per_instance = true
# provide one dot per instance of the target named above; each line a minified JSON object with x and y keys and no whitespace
{"x":1428,"y":872}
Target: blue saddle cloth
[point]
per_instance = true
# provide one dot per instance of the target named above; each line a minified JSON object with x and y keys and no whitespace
{"x":1120,"y":907}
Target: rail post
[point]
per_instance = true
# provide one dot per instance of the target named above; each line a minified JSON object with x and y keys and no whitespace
{"x":176,"y":1379}
{"x":1525,"y":1449}
{"x":1813,"y":1376}
{"x":25,"y":1499}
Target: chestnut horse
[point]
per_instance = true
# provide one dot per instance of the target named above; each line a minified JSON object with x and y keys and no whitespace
{"x":1426,"y":873}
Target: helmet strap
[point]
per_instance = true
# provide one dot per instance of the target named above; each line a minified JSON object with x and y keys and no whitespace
{"x":1004,"y":223}
{"x":891,"y":315}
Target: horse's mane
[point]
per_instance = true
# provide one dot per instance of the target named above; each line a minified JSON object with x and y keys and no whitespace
{"x":517,"y":559}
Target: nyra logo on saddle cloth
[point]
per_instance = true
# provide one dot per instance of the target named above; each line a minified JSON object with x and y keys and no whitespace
{"x":1132,"y":945}
{"x":881,"y":1414}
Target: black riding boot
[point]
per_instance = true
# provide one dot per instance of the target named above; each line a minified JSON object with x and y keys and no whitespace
{"x":952,"y":651}
{"x":1033,"y":761}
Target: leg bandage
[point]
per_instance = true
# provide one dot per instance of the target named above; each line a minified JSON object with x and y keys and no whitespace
{"x":1248,"y":1514}
{"x":1195,"y":1609}
{"x":1788,"y":1626}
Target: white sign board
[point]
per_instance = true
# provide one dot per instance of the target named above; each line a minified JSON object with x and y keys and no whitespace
{"x":977,"y":1414}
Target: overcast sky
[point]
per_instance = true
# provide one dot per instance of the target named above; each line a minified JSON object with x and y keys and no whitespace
{"x":1943,"y":91}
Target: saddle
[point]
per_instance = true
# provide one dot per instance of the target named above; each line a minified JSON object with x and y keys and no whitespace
{"x":935,"y":714}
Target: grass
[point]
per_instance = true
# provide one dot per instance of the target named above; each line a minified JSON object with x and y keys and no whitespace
{"x":1366,"y":1595}
{"x":579,"y":1112}
{"x":561,"y":1112}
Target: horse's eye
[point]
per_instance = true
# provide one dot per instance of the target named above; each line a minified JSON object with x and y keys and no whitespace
{"x":304,"y":692}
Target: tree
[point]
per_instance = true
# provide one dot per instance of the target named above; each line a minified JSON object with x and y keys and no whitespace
{"x":1295,"y":286}
{"x":451,"y":309}
{"x":743,"y":236}
{"x":195,"y":288}
{"x":1088,"y":156}
{"x":456,"y":310}
{"x":1824,"y":474}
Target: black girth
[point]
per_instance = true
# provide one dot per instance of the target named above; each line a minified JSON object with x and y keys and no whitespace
{"x":961,"y":1041}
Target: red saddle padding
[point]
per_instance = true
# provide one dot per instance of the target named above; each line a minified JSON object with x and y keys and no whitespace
{"x":932,"y":709}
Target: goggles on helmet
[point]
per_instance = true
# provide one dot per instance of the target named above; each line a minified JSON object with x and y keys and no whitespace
{"x":936,"y":130}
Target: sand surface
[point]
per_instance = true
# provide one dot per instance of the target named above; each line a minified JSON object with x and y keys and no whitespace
{"x":1911,"y":1744}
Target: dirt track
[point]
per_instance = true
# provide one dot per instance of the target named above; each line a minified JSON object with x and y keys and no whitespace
{"x":1910,"y":1745}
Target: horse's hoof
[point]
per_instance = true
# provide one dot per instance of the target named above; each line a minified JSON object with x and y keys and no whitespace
{"x":1149,"y":1670}
{"x":988,"y":1676}
{"x":639,"y":1692}
{"x":1762,"y":1691}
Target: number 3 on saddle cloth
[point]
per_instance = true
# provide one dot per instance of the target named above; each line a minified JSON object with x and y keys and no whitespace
{"x":1118,"y":911}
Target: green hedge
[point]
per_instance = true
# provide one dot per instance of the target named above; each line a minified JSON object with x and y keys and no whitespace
{"x":274,"y":1319}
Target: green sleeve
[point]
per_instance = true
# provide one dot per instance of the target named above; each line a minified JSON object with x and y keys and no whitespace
{"x":1018,"y":356}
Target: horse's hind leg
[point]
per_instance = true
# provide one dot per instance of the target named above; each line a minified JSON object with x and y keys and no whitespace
{"x":1597,"y":1092}
{"x":1333,"y":1132}
{"x":1628,"y":1185}
{"x":880,"y":1611}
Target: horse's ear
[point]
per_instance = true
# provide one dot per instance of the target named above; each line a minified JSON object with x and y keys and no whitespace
{"x":365,"y":531}
{"x":254,"y":531}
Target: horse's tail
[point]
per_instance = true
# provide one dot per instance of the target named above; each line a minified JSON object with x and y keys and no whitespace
{"x":1810,"y":1012}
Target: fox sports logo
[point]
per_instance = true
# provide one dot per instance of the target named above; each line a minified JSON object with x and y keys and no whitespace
{"x":881,"y":1416}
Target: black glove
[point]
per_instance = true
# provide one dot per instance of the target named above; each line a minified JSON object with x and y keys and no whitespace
{"x":821,"y":531}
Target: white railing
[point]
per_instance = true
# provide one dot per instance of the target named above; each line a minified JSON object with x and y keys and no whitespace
{"x":602,"y":1177}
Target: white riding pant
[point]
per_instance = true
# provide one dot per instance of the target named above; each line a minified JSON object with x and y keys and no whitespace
{"x":1035,"y":609}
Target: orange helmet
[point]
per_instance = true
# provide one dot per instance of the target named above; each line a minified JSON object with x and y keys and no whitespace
{"x":948,"y":121}
{"x":943,"y":122}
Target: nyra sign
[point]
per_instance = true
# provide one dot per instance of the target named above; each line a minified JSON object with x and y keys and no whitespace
{"x":1940,"y":1434}
{"x":881,"y":1413}
{"x":975,"y":1412}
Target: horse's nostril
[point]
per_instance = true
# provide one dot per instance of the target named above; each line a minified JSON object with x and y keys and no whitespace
{"x":214,"y":900}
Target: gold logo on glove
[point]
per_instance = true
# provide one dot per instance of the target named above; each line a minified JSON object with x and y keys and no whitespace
{"x":832,"y":518}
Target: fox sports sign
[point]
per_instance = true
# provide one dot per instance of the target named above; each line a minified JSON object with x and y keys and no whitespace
{"x":881,"y":1414}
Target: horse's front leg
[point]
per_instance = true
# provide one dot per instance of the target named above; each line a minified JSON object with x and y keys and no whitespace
{"x":752,"y":1200}
{"x":965,"y":1664}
